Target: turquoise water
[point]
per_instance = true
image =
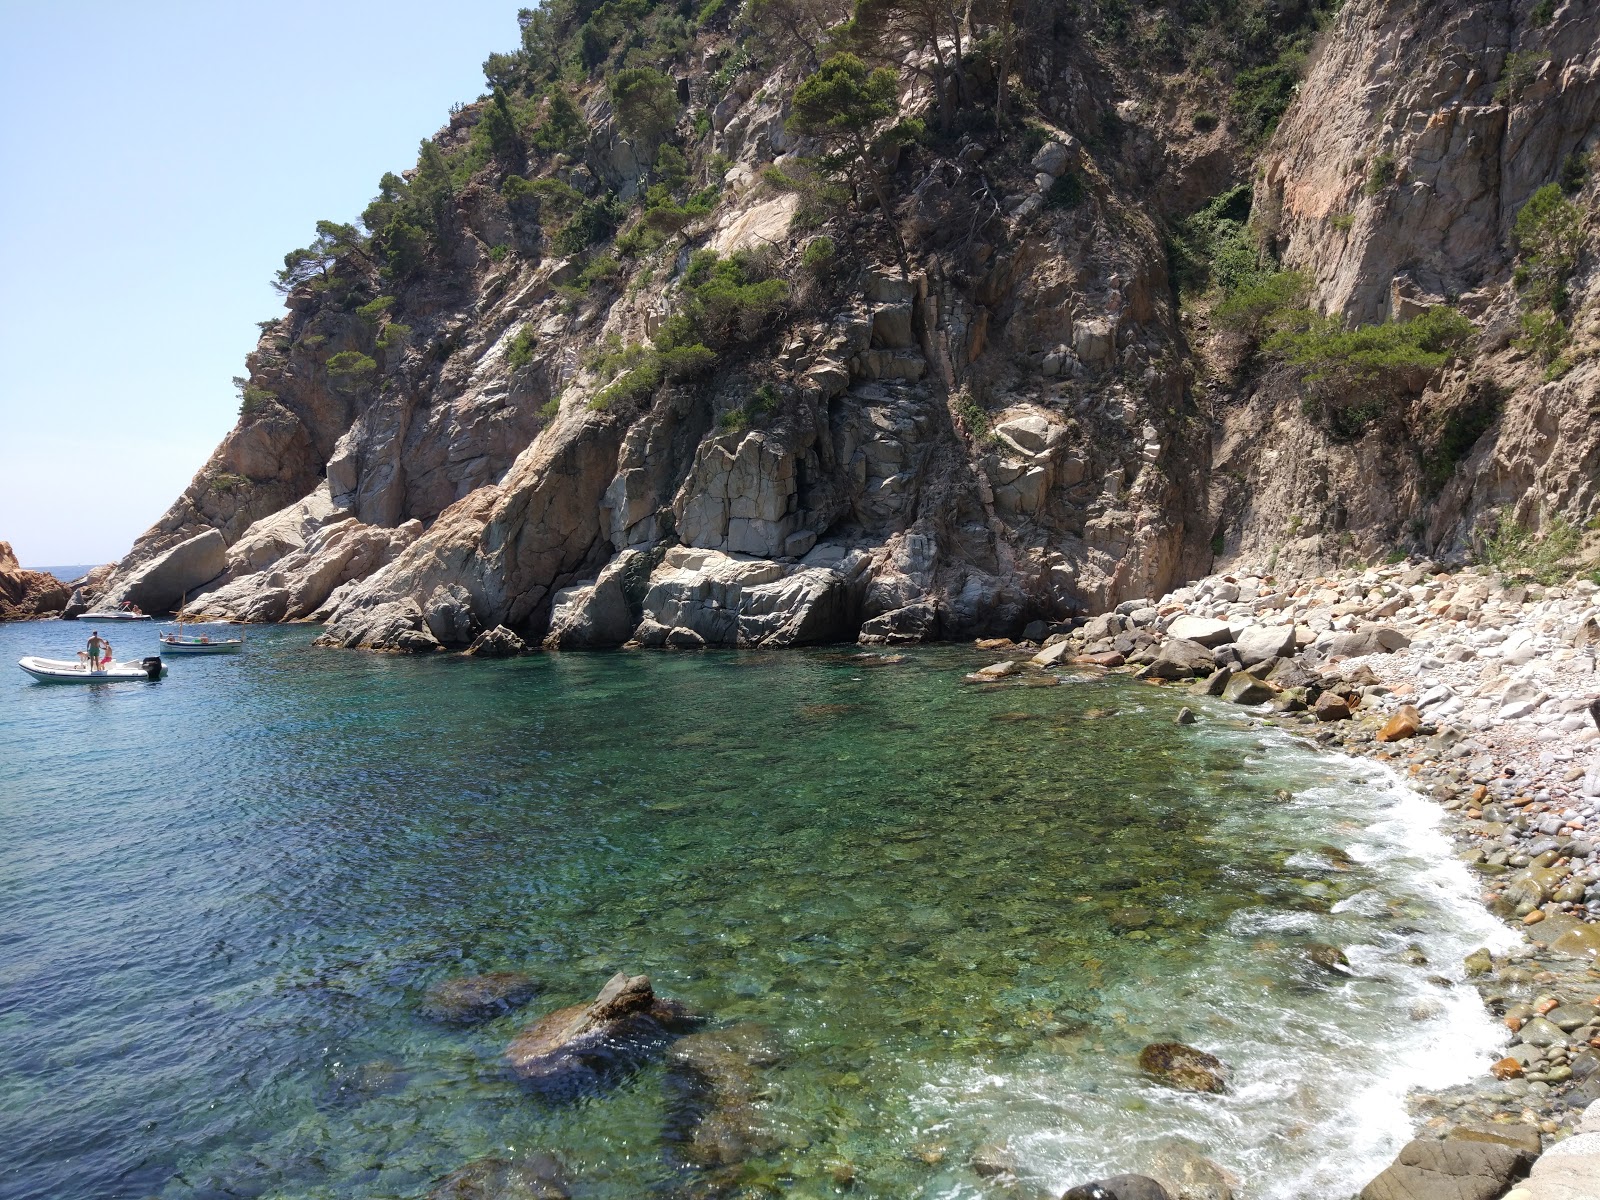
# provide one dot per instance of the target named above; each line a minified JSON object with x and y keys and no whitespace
{"x":959,"y":911}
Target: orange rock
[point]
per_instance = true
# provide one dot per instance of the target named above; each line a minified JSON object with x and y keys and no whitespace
{"x":1506,"y":1068}
{"x":1479,"y":792}
{"x":1547,"y":1005}
{"x":1534,"y":917}
{"x":1473,"y":814}
{"x":1403,"y":724}
{"x":1513,"y":1023}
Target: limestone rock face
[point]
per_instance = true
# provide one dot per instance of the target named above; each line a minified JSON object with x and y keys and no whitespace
{"x":28,"y":594}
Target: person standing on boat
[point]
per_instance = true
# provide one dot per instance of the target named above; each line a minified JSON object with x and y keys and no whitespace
{"x":95,"y":644}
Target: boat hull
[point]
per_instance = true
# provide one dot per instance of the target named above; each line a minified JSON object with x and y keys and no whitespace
{"x":231,"y":646}
{"x":57,"y":670}
{"x":113,"y":616}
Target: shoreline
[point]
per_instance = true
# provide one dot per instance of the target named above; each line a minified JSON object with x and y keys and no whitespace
{"x":1475,"y":693}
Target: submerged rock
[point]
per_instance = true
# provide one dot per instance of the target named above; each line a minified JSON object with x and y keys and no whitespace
{"x":715,"y":1082}
{"x":1119,"y":1187}
{"x":1184,"y":1067}
{"x":578,"y":1049}
{"x":535,"y":1177}
{"x":1187,"y":1174}
{"x":477,"y":997}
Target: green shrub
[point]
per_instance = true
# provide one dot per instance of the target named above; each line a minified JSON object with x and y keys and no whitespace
{"x":1519,"y":70}
{"x":1343,"y":222}
{"x":562,"y":129}
{"x":1356,"y":374}
{"x":1067,"y":191}
{"x":1215,"y":244}
{"x":728,"y":299}
{"x":1574,"y":173}
{"x":1542,"y":14}
{"x":550,"y":409}
{"x":646,"y":104}
{"x":1513,"y":548}
{"x":392,"y":336}
{"x":1261,"y":94}
{"x":818,"y":256}
{"x":594,"y":221}
{"x":1205,"y":120}
{"x":734,"y":420}
{"x":375,"y":309}
{"x":498,"y":253}
{"x":1259,"y":305}
{"x":1380,"y":173}
{"x":351,"y":371}
{"x":1454,"y":434}
{"x":520,"y":352}
{"x":1544,"y":334}
{"x":1548,"y":234}
{"x":254,"y":401}
{"x":227,"y":483}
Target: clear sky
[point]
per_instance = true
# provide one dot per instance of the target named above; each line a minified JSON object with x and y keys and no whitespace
{"x":156,"y":161}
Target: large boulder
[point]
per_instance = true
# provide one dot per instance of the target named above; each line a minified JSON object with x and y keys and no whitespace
{"x":1201,"y":629}
{"x":1369,"y":639}
{"x":1453,"y":1169}
{"x":603,"y":611}
{"x":1179,"y":658}
{"x":577,"y":1050}
{"x":722,"y":600}
{"x":159,"y":585}
{"x":498,"y":642}
{"x":1259,"y":643}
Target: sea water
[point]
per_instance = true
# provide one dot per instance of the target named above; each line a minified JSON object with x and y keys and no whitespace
{"x":961,"y":912}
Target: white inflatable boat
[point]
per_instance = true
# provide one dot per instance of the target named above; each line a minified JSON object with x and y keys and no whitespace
{"x":58,"y":670}
{"x":115,"y":615}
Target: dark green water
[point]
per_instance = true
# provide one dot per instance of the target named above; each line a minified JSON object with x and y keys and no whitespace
{"x":962,"y":912}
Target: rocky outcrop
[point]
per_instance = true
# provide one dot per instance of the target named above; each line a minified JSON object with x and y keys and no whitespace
{"x":1021,"y":427}
{"x":579,"y":1049}
{"x":25,"y":595}
{"x":160,"y":583}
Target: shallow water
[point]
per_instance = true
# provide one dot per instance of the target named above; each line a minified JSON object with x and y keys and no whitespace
{"x":961,"y":911}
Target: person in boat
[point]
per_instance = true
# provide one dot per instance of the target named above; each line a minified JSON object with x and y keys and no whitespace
{"x":92,"y":657}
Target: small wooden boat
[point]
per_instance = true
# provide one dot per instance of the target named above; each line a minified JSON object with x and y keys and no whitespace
{"x":57,"y":670}
{"x":188,"y":643}
{"x":197,"y":643}
{"x":113,"y":615}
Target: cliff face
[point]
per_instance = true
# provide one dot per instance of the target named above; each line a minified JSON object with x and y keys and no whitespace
{"x":1026,"y":422}
{"x":25,"y":595}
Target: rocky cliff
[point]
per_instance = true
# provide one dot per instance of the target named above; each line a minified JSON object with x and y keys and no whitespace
{"x":666,"y":357}
{"x":28,"y":594}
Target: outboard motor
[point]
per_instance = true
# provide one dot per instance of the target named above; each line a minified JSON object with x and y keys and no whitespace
{"x":152,"y":667}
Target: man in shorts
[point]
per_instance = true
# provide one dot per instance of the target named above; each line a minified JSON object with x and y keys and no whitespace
{"x":96,"y":644}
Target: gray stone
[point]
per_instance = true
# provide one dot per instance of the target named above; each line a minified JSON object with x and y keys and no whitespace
{"x":1119,"y":1187}
{"x":160,"y":584}
{"x":1204,"y":630}
{"x":1247,"y":689}
{"x":1179,"y":658}
{"x":1258,"y":643}
{"x":498,"y":642}
{"x":1454,"y":1169}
